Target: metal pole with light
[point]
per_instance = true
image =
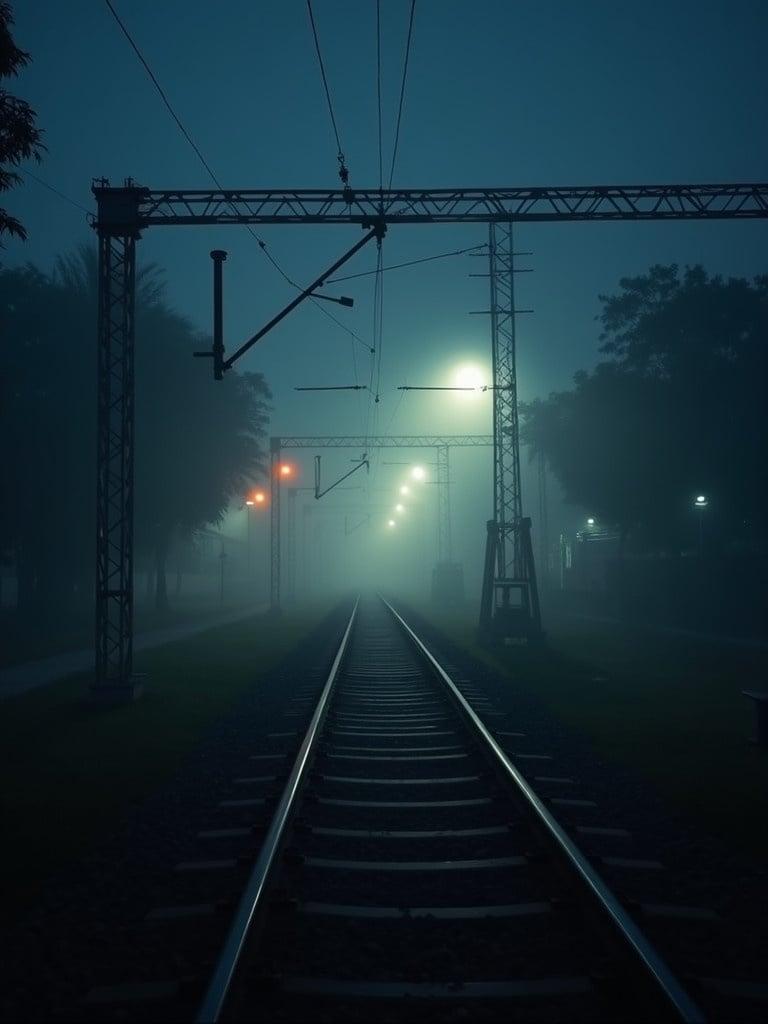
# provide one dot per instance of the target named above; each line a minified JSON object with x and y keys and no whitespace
{"x":701,"y":502}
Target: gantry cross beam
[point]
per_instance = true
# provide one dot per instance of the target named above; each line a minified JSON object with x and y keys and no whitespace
{"x":124,"y":212}
{"x":134,"y":208}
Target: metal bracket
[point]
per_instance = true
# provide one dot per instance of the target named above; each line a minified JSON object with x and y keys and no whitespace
{"x":220,"y":365}
{"x":318,"y":493}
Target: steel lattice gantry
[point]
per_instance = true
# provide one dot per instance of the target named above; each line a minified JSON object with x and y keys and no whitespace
{"x":445,"y":205}
{"x":509,"y":604}
{"x":114,"y":466}
{"x":124,"y":212}
{"x":440,"y":442}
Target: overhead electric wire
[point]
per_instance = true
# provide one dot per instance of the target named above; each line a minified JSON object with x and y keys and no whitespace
{"x":376,"y":285}
{"x":56,"y":192}
{"x":262,"y":244}
{"x":325,"y":82}
{"x":380,"y":340}
{"x":378,"y":90}
{"x":395,"y":411}
{"x":344,"y":175}
{"x":402,"y":93}
{"x":410,"y":263}
{"x":161,"y":93}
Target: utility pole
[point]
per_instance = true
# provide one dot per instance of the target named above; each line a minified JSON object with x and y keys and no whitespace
{"x":509,"y":604}
{"x":117,"y":234}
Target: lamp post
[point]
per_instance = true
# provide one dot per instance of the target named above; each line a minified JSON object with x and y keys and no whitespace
{"x":257,"y":500}
{"x":701,"y":501}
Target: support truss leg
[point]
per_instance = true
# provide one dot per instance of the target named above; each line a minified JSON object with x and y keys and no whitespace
{"x":114,"y":469}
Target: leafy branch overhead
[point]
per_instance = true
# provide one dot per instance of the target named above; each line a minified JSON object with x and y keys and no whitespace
{"x":20,"y":138}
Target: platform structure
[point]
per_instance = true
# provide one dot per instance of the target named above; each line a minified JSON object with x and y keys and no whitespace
{"x":124,"y":212}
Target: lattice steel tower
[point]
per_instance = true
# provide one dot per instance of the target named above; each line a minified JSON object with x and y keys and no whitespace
{"x":510,"y":601}
{"x":114,"y":475}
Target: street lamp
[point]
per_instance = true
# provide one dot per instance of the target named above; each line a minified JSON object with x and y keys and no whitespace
{"x":405,"y":490}
{"x":343,"y":300}
{"x":391,"y":522}
{"x":470,"y":379}
{"x":399,"y":508}
{"x":257,"y":499}
{"x":700,"y":502}
{"x":419,"y":473}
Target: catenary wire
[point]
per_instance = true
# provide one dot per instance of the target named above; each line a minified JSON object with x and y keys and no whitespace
{"x":402,"y":93}
{"x":378,"y":90}
{"x":262,"y":244}
{"x":325,"y":83}
{"x":56,"y":192}
{"x":410,"y":263}
{"x":344,"y":175}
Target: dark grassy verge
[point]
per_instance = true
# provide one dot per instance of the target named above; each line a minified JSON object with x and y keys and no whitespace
{"x":71,"y":768}
{"x":670,"y":708}
{"x":23,"y":640}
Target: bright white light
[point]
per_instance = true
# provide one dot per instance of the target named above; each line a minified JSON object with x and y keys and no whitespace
{"x":391,"y":523}
{"x":470,"y":376}
{"x":399,"y":508}
{"x":701,"y":501}
{"x":590,"y":521}
{"x":405,"y":489}
{"x":419,"y":473}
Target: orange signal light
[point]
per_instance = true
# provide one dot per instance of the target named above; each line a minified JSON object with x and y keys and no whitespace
{"x":285,"y":469}
{"x":259,"y":497}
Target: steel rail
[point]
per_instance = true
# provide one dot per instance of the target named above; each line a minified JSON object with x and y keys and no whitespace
{"x":221,"y":980}
{"x":652,"y":962}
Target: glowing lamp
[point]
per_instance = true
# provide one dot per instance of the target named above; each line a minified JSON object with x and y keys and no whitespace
{"x":418,"y":473}
{"x":470,"y":377}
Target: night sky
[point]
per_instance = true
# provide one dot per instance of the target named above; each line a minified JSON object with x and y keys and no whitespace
{"x":498,"y":93}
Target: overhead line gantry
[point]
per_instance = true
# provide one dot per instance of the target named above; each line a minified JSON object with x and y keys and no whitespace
{"x":124,"y":212}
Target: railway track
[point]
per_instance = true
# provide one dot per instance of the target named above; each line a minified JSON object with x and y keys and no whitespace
{"x":410,"y":871}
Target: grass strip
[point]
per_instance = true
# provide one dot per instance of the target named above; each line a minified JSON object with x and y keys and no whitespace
{"x":72,"y":768}
{"x":669,"y":708}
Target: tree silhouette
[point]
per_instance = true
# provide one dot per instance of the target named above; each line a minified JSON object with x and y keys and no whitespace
{"x":677,"y":408}
{"x":20,"y":139}
{"x":197,"y":444}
